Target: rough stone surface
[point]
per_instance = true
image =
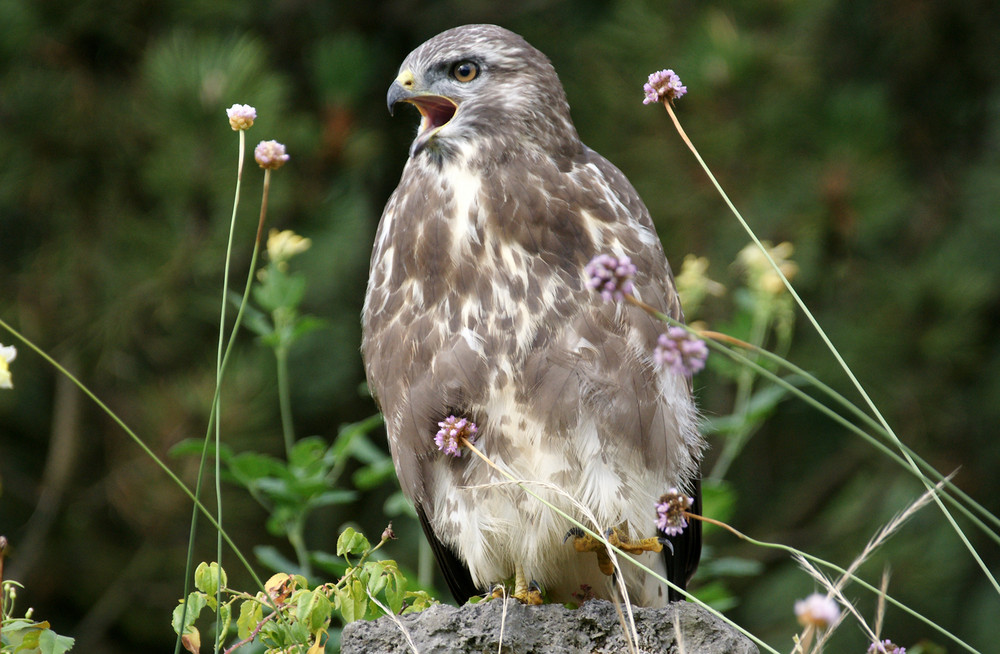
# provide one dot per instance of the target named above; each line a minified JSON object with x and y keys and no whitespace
{"x":592,"y":628}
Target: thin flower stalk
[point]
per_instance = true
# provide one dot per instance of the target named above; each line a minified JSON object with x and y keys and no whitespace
{"x":833,"y":350}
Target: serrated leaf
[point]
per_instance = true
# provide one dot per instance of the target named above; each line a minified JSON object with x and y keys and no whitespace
{"x":49,"y":642}
{"x":352,"y":542}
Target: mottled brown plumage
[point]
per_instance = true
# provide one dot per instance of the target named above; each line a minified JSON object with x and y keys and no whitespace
{"x":477,"y":306}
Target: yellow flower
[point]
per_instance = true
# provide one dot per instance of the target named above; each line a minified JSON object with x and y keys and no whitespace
{"x":283,"y":245}
{"x":7,"y":354}
{"x":694,"y":285}
{"x":760,"y":275}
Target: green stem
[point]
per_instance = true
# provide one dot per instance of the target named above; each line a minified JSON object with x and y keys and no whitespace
{"x":296,"y":536}
{"x":138,"y":441}
{"x":284,"y":398}
{"x":872,"y":424}
{"x":735,"y":442}
{"x":833,"y":350}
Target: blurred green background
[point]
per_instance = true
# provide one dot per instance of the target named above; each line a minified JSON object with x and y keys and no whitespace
{"x":867,"y":133}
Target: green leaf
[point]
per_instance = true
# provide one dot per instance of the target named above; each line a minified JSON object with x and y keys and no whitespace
{"x":418,"y":600}
{"x":718,"y":501}
{"x":194,"y":446}
{"x":375,"y":576}
{"x":206,"y":578}
{"x":332,"y":497}
{"x":226,"y":613}
{"x":271,"y":558}
{"x":395,"y":589}
{"x":195,"y":603}
{"x":305,"y":325}
{"x":251,"y":613}
{"x":352,"y":542}
{"x":731,"y":566}
{"x":314,"y":610}
{"x":374,"y":475}
{"x":397,"y":504}
{"x":253,"y":465}
{"x":49,"y":642}
{"x":306,"y":452}
{"x":353,"y":602}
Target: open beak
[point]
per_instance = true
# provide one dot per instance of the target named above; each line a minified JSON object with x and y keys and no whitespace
{"x":435,"y":110}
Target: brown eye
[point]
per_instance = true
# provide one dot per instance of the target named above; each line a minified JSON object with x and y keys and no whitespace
{"x":465,"y":71}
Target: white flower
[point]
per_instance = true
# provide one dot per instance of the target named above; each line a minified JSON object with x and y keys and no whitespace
{"x":817,"y":610}
{"x":7,"y":354}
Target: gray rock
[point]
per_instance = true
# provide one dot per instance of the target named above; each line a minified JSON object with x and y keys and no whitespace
{"x":592,"y":628}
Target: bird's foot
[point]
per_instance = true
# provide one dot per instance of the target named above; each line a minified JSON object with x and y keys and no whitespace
{"x":584,"y":542}
{"x":524,"y":592}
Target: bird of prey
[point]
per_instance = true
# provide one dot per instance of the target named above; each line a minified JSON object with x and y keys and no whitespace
{"x":478,"y":307}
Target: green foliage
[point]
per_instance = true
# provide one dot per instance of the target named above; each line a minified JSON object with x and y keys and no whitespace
{"x":26,"y":634}
{"x":288,"y":613}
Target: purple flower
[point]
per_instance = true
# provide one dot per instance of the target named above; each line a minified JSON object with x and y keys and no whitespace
{"x":886,"y":647}
{"x":680,"y":351}
{"x":817,"y":610}
{"x":670,"y":512}
{"x":610,"y":276}
{"x":663,"y":85}
{"x":270,"y":154}
{"x":451,"y":433}
{"x":241,"y":116}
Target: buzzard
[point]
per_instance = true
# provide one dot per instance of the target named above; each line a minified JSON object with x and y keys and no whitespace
{"x":478,"y":307}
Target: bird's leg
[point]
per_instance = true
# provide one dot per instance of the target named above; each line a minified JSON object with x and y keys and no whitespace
{"x":527,"y":593}
{"x":524,"y":591}
{"x":583,"y":542}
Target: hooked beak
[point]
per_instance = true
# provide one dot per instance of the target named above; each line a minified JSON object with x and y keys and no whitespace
{"x":435,"y":110}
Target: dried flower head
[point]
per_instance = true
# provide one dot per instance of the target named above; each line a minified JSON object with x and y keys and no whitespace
{"x":670,"y":510}
{"x":452,"y":430}
{"x":817,"y":611}
{"x":610,"y":276}
{"x":270,"y":154}
{"x":886,"y":647}
{"x":241,"y":116}
{"x":663,"y":86}
{"x":7,"y":354}
{"x":680,"y":351}
{"x":283,"y":245}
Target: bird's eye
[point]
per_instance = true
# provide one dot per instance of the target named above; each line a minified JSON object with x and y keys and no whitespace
{"x":465,"y":71}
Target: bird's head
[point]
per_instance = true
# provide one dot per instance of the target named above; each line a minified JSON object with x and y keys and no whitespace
{"x":483,"y":81}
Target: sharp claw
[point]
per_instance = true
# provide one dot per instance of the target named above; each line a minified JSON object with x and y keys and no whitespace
{"x":663,"y":540}
{"x":575,"y":532}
